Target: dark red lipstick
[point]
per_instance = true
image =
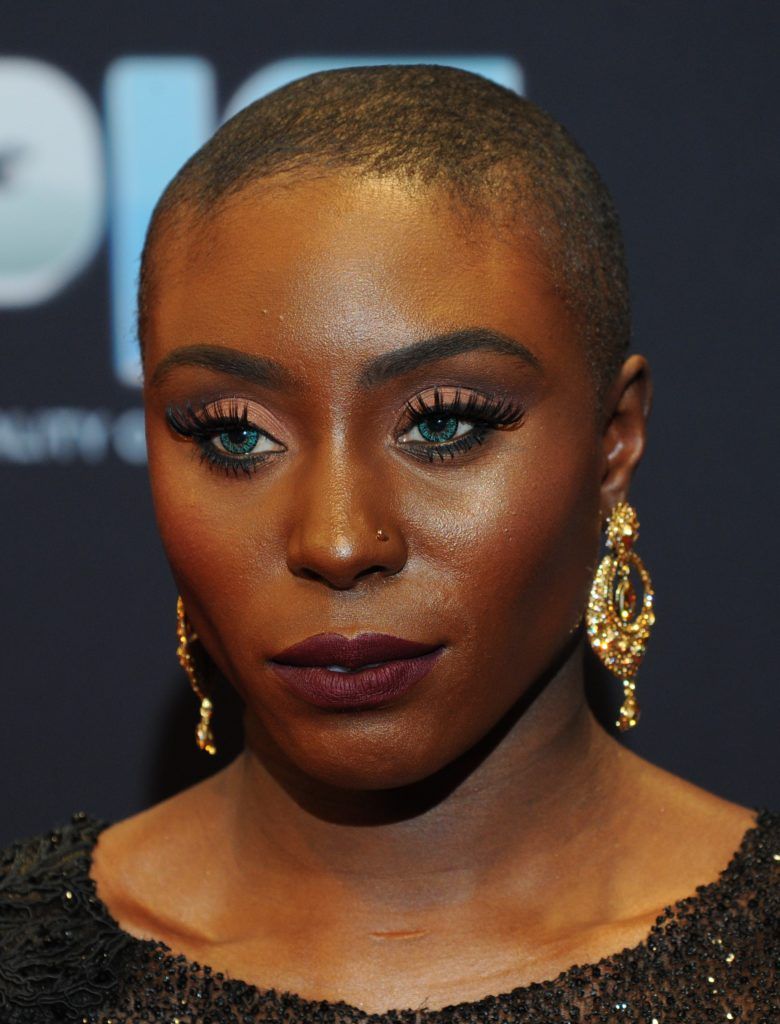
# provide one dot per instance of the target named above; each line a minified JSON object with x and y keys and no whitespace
{"x":333,"y":671}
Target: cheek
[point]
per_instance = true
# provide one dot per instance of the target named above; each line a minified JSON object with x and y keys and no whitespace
{"x":516,"y":541}
{"x":211,"y":539}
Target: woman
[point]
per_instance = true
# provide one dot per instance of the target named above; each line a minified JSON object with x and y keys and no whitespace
{"x":384,"y":319}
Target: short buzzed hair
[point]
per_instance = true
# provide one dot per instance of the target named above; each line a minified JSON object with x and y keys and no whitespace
{"x":496,"y":153}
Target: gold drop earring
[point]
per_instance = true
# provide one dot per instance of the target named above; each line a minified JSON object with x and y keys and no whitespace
{"x":204,"y":737}
{"x":618,"y":630}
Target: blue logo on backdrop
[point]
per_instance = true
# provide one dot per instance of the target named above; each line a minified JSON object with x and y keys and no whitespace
{"x":158,"y":111}
{"x":52,"y":181}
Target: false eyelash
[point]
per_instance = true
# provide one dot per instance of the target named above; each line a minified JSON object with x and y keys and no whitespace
{"x":236,"y":465}
{"x":201,"y":423}
{"x":430,"y":450}
{"x":491,"y":410}
{"x":488,"y":413}
{"x":189,"y":421}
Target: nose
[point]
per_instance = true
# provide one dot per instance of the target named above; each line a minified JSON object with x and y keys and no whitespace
{"x":343,"y":531}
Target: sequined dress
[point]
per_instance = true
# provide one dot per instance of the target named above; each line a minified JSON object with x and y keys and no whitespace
{"x":712,"y":957}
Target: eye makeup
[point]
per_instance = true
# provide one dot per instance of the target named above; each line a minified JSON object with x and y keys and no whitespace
{"x":226,"y":434}
{"x":439,"y":423}
{"x":438,"y":414}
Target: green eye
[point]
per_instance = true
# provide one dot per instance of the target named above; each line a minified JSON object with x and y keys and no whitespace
{"x":239,"y":441}
{"x":438,"y":428}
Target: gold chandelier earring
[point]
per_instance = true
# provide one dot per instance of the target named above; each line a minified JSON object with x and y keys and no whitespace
{"x":618,"y":630}
{"x":204,"y":737}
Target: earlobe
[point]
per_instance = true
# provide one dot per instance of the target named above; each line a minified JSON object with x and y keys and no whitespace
{"x":627,"y":408}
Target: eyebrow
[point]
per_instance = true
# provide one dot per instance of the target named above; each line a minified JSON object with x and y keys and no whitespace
{"x":269,"y":373}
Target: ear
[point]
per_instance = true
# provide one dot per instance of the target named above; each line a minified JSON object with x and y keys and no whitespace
{"x":626,"y":409}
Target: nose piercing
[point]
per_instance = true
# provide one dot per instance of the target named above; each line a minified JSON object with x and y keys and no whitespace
{"x":381,"y":535}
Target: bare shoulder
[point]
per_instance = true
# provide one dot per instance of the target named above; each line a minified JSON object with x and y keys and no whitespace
{"x":702,"y":812}
{"x":686,"y":835}
{"x":145,"y":865}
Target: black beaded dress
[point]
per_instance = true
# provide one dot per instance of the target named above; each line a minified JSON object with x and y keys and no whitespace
{"x":712,"y":957}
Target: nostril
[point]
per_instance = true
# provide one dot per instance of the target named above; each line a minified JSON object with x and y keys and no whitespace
{"x":370,"y":569}
{"x":333,"y":581}
{"x":312,"y":574}
{"x":321,"y":577}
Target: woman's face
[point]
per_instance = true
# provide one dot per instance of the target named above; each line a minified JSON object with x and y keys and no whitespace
{"x":336,"y":322}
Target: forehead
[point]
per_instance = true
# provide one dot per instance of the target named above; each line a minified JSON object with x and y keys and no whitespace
{"x":354,"y":262}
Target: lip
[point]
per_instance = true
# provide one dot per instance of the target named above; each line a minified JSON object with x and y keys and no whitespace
{"x":364,"y":649}
{"x":402,"y":663}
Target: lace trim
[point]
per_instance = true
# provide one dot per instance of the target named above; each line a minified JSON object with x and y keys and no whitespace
{"x":48,"y":917}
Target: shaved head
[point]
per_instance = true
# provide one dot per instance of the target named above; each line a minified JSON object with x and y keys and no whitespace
{"x":493,"y":153}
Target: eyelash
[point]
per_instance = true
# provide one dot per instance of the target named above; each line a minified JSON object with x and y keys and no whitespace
{"x":486,"y":413}
{"x":203,"y":423}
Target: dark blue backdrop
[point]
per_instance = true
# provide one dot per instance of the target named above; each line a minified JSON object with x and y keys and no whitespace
{"x":677,"y":105}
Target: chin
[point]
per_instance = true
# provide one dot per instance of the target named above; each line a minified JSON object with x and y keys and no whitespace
{"x":365,"y":751}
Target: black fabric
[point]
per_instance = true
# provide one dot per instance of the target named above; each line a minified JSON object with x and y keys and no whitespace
{"x":712,"y":957}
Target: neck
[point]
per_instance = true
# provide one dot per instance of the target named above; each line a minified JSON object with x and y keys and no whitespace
{"x":527,"y":798}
